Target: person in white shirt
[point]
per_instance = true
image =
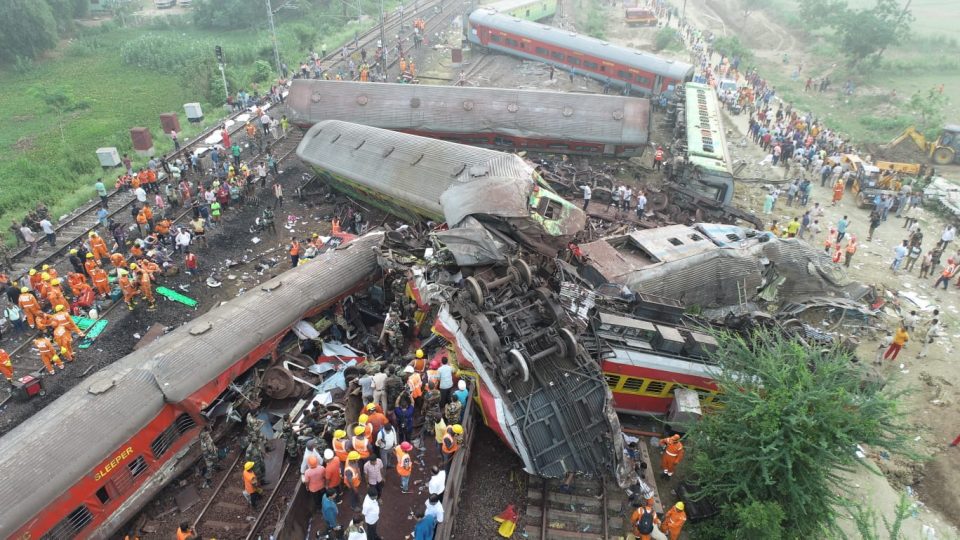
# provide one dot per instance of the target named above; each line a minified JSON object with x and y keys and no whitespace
{"x":371,"y":513}
{"x":641,"y":204}
{"x":438,"y":482}
{"x":435,"y":508}
{"x":141,"y":195}
{"x":587,"y":194}
{"x":49,"y":231}
{"x":311,"y":450}
{"x":931,"y":334}
{"x":386,"y":442}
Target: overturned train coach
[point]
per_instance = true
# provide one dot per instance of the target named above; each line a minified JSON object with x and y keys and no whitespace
{"x":86,"y":463}
{"x":621,"y":67}
{"x":500,"y":118}
{"x":418,"y":178}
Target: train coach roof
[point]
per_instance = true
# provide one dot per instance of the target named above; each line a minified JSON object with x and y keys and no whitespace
{"x":645,"y":61}
{"x":458,"y":109}
{"x":418,"y":170}
{"x":45,"y":455}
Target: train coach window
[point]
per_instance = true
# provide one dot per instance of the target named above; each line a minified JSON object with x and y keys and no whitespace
{"x":185,"y":423}
{"x":624,"y":74}
{"x":103,"y":496}
{"x":512,"y":42}
{"x":137,"y":466}
{"x":557,"y":55}
{"x":543,"y":52}
{"x":589,"y":65}
{"x":71,"y":525}
{"x":494,"y":37}
{"x":643,"y":80}
{"x":573,"y":60}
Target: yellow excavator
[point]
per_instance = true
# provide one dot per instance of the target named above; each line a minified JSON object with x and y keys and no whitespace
{"x":943,"y":151}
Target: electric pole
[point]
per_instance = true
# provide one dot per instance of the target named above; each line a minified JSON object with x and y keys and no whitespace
{"x":383,"y":45}
{"x":218,"y":50}
{"x":273,"y":31}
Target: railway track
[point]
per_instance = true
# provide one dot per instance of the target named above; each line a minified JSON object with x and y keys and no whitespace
{"x":590,"y":510}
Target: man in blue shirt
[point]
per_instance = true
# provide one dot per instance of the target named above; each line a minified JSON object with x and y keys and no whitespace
{"x":445,"y":372}
{"x":425,"y":526}
{"x":329,"y":510}
{"x":461,"y":393}
{"x":842,"y":228}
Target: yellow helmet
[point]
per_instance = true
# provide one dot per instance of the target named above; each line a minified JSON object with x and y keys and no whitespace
{"x":45,"y":276}
{"x":339,"y":434}
{"x":55,"y":281}
{"x":363,"y":419}
{"x":59,"y":308}
{"x":24,"y":290}
{"x":248,"y":465}
{"x":56,"y":358}
{"x":419,"y":353}
{"x":458,"y":429}
{"x":680,"y":506}
{"x":371,"y":407}
{"x":73,"y":252}
{"x":353,"y":455}
{"x":359,"y":430}
{"x":63,"y":350}
{"x":45,"y":267}
{"x":32,"y":272}
{"x":92,"y":234}
{"x":133,"y":266}
{"x":89,"y":255}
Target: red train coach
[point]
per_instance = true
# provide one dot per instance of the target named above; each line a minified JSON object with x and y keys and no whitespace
{"x":499,"y":118}
{"x":621,"y":67}
{"x":86,"y":464}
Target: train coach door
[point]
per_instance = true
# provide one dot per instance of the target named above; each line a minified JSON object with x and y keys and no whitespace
{"x":657,"y":85}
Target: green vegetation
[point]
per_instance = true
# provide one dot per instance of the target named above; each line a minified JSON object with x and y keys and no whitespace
{"x":791,"y":420}
{"x":666,"y":38}
{"x":730,"y":46}
{"x":592,"y":20}
{"x":123,"y":73}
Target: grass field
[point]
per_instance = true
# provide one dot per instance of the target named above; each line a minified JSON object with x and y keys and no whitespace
{"x":36,"y":165}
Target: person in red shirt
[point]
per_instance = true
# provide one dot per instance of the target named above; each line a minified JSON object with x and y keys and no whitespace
{"x":315,"y":480}
{"x":332,"y":471}
{"x":192,"y":264}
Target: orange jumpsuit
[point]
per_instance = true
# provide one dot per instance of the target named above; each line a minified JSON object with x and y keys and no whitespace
{"x":101,"y":281}
{"x":47,"y":353}
{"x":635,"y":519}
{"x":62,"y":318}
{"x":129,"y":291}
{"x":98,"y":247}
{"x":837,"y":192}
{"x":117,"y":260}
{"x":75,"y":280}
{"x":64,"y":340}
{"x":673,"y":454}
{"x":53,"y":273}
{"x":6,"y":367}
{"x":28,"y":303}
{"x":56,"y":297}
{"x":146,"y":288}
{"x":35,"y":281}
{"x":43,"y":321}
{"x":89,"y":265}
{"x":149,"y":267}
{"x":673,"y":522}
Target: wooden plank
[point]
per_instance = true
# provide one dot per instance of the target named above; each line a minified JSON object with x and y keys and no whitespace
{"x":567,"y":516}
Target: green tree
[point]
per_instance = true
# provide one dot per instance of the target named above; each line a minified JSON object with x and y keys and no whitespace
{"x":27,"y":29}
{"x":866,"y":33}
{"x":731,"y":47}
{"x":820,"y":14}
{"x":929,"y":110}
{"x":791,"y":419}
{"x":664,"y":38}
{"x":228,"y":14}
{"x":59,"y":99}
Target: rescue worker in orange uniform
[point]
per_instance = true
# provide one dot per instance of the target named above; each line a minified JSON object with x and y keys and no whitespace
{"x":52,"y":271}
{"x":162,"y":229}
{"x":364,"y":420}
{"x":672,"y":455}
{"x":331,"y":471}
{"x":84,"y":299}
{"x":75,"y":280}
{"x":128,"y":288}
{"x":643,"y":520}
{"x":146,"y":287}
{"x":294,"y":252}
{"x":55,"y":294}
{"x":341,"y":445}
{"x":450,"y":444}
{"x":351,"y":479}
{"x":361,"y":446}
{"x":34,"y":279}
{"x":44,"y":322}
{"x":64,"y":339}
{"x":117,"y":260}
{"x":101,"y":281}
{"x":184,"y":532}
{"x":47,"y":354}
{"x":150,"y":267}
{"x":251,"y":486}
{"x":673,"y":521}
{"x":98,"y":248}
{"x":143,"y":224}
{"x":6,"y":367}
{"x":30,"y":306}
{"x":404,"y":465}
{"x":62,"y":318}
{"x":90,"y":264}
{"x":44,"y":285}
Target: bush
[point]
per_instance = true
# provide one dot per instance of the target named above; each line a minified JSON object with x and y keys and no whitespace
{"x":665,"y":38}
{"x":162,"y":53}
{"x":730,"y":46}
{"x":262,"y":71}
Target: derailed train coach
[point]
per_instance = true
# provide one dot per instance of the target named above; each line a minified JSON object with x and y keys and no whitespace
{"x":496,"y":194}
{"x":87,"y":463}
{"x":499,"y":118}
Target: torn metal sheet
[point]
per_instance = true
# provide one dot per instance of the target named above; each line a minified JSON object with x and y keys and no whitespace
{"x":472,"y":244}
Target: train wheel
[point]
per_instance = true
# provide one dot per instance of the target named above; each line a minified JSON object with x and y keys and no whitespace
{"x":474,"y":289}
{"x":516,"y":361}
{"x":569,"y":343}
{"x":658,"y":201}
{"x":523,"y":271}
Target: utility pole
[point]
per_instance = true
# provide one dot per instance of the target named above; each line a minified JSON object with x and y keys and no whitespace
{"x":218,"y":50}
{"x":383,"y":45}
{"x":273,"y":31}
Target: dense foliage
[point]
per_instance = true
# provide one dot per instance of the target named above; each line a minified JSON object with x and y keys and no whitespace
{"x":228,"y":14}
{"x":772,"y":456}
{"x":28,"y":28}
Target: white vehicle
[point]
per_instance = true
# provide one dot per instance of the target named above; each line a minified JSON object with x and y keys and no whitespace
{"x":161,"y":4}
